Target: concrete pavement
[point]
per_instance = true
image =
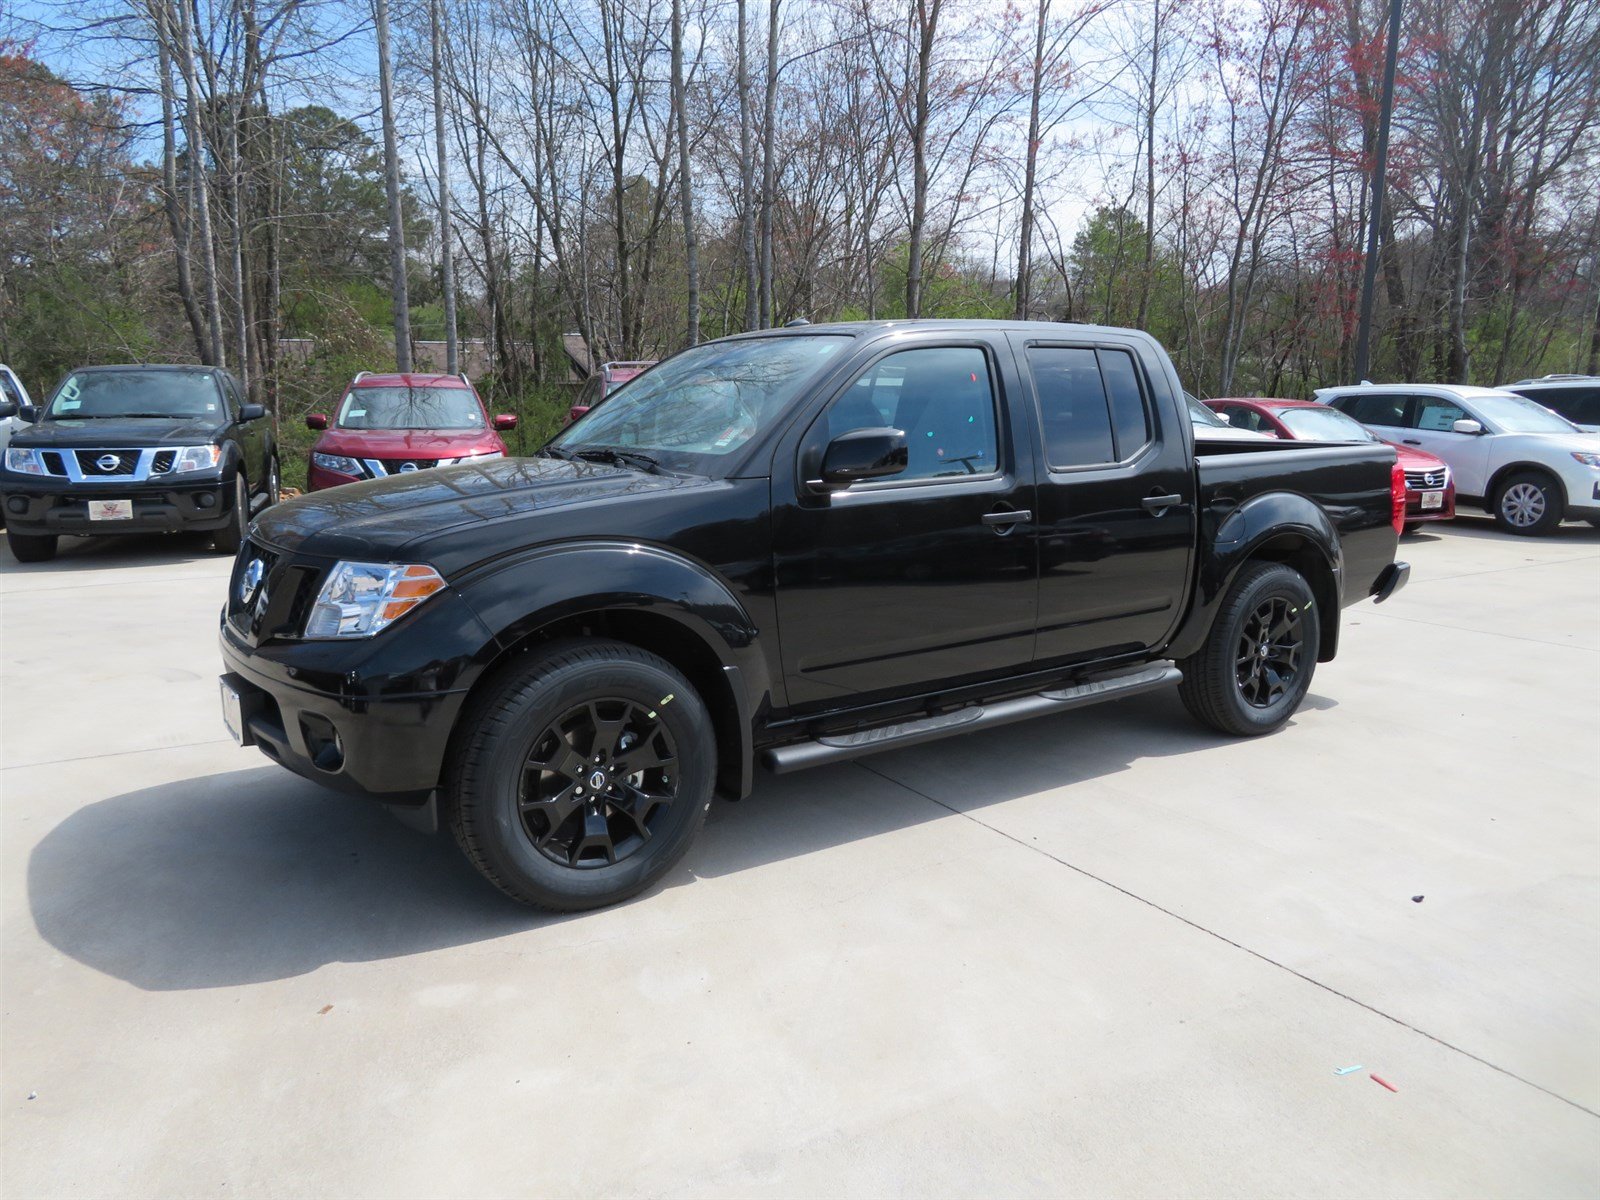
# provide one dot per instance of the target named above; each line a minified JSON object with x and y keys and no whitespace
{"x":1107,"y":953}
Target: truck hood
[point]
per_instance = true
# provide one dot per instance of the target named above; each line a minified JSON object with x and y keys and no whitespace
{"x":118,"y":432}
{"x":375,"y":519}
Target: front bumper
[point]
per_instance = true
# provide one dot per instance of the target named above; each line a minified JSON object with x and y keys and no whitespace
{"x":1415,"y":511}
{"x":53,"y":506}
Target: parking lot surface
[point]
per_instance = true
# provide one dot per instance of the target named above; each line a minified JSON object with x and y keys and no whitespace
{"x":1105,"y":953}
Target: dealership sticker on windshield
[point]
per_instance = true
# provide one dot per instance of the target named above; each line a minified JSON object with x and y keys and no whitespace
{"x":111,"y":510}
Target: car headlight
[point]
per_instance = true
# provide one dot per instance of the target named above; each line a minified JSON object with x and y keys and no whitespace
{"x":484,"y":457}
{"x":196,"y":458}
{"x":336,"y":462}
{"x":1587,"y":457}
{"x":359,"y":599}
{"x":24,"y":461}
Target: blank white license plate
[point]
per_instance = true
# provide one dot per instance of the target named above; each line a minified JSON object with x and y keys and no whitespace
{"x":111,"y":510}
{"x":1432,"y":499}
{"x":232,"y":714}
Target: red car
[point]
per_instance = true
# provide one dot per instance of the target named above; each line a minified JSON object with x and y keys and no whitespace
{"x":396,"y":424}
{"x":1430,"y":491}
{"x":603,"y":382}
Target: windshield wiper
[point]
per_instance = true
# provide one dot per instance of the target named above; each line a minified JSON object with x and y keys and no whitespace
{"x":619,"y":457}
{"x":120,"y":416}
{"x":560,"y":452}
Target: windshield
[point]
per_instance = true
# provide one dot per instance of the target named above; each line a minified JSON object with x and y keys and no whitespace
{"x":87,"y":395}
{"x":1513,"y":414}
{"x":705,"y":403}
{"x":1201,"y":415}
{"x":410,"y":408}
{"x":1322,"y":424}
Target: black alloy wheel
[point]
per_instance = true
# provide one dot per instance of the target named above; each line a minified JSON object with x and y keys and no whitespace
{"x":1269,"y":650}
{"x":597,"y":782}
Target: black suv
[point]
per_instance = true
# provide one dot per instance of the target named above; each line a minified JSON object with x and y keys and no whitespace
{"x":138,"y":449}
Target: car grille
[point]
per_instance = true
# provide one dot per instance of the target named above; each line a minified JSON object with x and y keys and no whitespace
{"x":95,"y":463}
{"x":53,"y":463}
{"x":163,"y":462}
{"x":279,"y":605}
{"x":1419,"y":481}
{"x":396,"y":466}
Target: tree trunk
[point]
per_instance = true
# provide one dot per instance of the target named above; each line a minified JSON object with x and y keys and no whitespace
{"x":391,"y":178}
{"x":177,"y":221}
{"x":927,"y":15}
{"x":214,"y":353}
{"x":1146,"y":274}
{"x":747,"y":187}
{"x":447,"y":247}
{"x":1024,"y":284}
{"x":680,"y":109}
{"x":768,"y":136}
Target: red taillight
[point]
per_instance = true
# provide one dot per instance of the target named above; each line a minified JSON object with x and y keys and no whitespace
{"x":1397,"y":499}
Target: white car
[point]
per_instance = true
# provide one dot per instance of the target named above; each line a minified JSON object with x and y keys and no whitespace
{"x":1524,"y":464}
{"x":11,"y":392}
{"x":1575,"y":397}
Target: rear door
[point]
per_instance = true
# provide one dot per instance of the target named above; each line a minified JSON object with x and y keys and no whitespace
{"x":914,"y":582}
{"x":1116,"y":498}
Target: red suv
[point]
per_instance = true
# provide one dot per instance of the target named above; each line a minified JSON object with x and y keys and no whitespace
{"x":1430,"y":492}
{"x":606,"y":380}
{"x":396,"y":424}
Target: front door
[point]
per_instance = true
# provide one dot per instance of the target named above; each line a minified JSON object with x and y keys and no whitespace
{"x":1431,"y":426}
{"x":910,"y":583}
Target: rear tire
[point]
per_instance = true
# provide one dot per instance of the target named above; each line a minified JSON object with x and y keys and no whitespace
{"x":230,"y":537}
{"x":1411,"y":527}
{"x":520,"y":784}
{"x":32,"y":547}
{"x":1528,"y":503}
{"x":1256,"y":665}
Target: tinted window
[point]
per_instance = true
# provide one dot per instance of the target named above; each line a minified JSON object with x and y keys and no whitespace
{"x":941,"y":397}
{"x":1240,"y":417}
{"x":1579,"y":404}
{"x":8,"y":390}
{"x":1379,"y":409}
{"x":1091,"y":405}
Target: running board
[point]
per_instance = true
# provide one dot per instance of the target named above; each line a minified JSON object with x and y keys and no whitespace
{"x":837,"y":747}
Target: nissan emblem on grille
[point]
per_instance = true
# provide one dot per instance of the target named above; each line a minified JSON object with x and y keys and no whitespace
{"x":108,"y":462}
{"x":407,"y":467}
{"x":250,"y":581}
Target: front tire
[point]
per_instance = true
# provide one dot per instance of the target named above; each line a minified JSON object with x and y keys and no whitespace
{"x":581,"y":774}
{"x":230,"y":537}
{"x":31,"y":547}
{"x":1256,"y":665}
{"x":1528,"y":503}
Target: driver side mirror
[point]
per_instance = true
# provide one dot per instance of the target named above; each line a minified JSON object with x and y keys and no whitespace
{"x":1467,"y":426}
{"x":316,"y":421}
{"x":504,"y":421}
{"x":864,"y":454}
{"x":252,"y":412}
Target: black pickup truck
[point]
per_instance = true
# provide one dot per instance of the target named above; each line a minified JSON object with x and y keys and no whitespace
{"x":791,"y":547}
{"x":138,"y":449}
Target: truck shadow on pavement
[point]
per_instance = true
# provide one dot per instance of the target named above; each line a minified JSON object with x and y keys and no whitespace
{"x":257,"y":875}
{"x":125,"y":550}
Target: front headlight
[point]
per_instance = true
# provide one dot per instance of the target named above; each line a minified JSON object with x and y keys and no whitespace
{"x":484,"y":457}
{"x":1587,"y":457}
{"x":337,"y":462}
{"x":196,"y":458}
{"x":359,"y":599}
{"x":24,"y":461}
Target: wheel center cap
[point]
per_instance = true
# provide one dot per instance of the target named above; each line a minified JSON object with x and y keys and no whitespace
{"x":598,"y":781}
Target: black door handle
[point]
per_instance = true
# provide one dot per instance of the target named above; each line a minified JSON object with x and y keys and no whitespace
{"x":1007,"y":516}
{"x":1158,"y":504}
{"x":1411,"y":441}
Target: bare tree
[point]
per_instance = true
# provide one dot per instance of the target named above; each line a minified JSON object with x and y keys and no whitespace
{"x":399,"y":288}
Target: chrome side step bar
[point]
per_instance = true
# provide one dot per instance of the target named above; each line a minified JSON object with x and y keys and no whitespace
{"x":837,"y":747}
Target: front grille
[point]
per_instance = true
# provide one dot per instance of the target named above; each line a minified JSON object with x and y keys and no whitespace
{"x":279,"y":605}
{"x":1420,"y":481}
{"x":99,"y":463}
{"x":396,"y":466}
{"x":53,"y":463}
{"x":163,"y":462}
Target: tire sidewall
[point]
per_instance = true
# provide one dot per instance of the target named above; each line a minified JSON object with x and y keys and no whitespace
{"x":501,"y":836}
{"x":1554,"y":503}
{"x":1291,"y":585}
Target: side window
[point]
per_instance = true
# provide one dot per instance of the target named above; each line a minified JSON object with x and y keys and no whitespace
{"x":590,"y":393}
{"x":1380,"y":409}
{"x":1091,"y":405}
{"x":1243,"y":418}
{"x":8,"y":390}
{"x":1436,"y":414}
{"x":940,"y":396}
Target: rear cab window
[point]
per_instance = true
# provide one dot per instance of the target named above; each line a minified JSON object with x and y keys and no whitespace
{"x":1092,"y":405}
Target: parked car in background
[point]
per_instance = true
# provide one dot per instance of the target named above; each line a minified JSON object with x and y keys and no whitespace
{"x":397,"y":424}
{"x":1575,"y":397}
{"x":1524,"y":464}
{"x":790,"y":547}
{"x":12,"y":391}
{"x":1430,"y":492}
{"x":1210,"y":426}
{"x":138,"y":449}
{"x":604,"y":382}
